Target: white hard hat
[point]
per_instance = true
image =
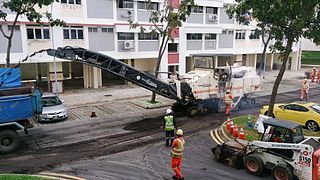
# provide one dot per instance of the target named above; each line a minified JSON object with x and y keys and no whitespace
{"x":228,"y":90}
{"x":179,"y":132}
{"x":168,"y":111}
{"x":305,"y":79}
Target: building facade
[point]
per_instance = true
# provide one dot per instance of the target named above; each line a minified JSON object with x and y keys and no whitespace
{"x":102,"y":25}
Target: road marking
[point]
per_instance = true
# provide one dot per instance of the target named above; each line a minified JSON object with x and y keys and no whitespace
{"x":56,"y":175}
{"x":218,"y":136}
{"x":224,"y":134}
{"x":211,"y":132}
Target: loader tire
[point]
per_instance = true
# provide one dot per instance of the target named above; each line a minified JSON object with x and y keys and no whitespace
{"x":218,"y":153}
{"x":9,"y":141}
{"x":253,"y":164}
{"x":282,"y":172}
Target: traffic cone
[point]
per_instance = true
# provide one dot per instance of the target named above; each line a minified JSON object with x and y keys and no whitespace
{"x":93,"y":114}
{"x":228,"y":124}
{"x":231,"y":127}
{"x":235,"y":132}
{"x":241,"y":134}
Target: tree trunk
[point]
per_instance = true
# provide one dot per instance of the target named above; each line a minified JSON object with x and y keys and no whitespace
{"x":279,"y":77}
{"x":262,"y":61}
{"x":9,"y":45}
{"x":161,"y":52}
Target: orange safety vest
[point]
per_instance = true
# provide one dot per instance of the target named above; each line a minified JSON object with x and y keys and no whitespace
{"x":228,"y":99}
{"x":177,"y":150}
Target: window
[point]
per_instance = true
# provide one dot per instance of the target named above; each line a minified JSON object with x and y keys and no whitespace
{"x":125,"y":4}
{"x":210,"y":36}
{"x":194,"y":36}
{"x":254,"y":35}
{"x":107,"y":29}
{"x":240,"y":34}
{"x":71,"y":2}
{"x":38,"y":32}
{"x":173,"y":70}
{"x":148,"y":36}
{"x":125,"y":36}
{"x":92,"y":29}
{"x":173,"y":47}
{"x":230,"y":32}
{"x":224,"y":31}
{"x":148,"y":5}
{"x":73,"y":32}
{"x":212,"y":10}
{"x":197,"y":9}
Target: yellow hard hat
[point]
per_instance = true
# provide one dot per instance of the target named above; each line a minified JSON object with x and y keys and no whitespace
{"x":305,"y":79}
{"x":179,"y":132}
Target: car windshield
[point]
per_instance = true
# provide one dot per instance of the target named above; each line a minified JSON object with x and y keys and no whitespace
{"x":50,"y":101}
{"x":316,"y":107}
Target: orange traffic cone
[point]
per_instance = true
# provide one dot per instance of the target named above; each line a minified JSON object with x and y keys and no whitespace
{"x":241,"y":134}
{"x":231,"y":127}
{"x":93,"y":114}
{"x":235,"y":132}
{"x":228,"y":124}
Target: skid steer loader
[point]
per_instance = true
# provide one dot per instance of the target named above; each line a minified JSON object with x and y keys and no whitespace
{"x":282,"y":148}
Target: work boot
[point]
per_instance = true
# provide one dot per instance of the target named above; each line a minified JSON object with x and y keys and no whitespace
{"x":175,"y":177}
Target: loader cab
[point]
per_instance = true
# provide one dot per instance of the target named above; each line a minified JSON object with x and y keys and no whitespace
{"x":282,"y":131}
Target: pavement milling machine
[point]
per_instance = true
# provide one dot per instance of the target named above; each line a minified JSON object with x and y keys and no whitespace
{"x":199,"y":91}
{"x":282,"y":148}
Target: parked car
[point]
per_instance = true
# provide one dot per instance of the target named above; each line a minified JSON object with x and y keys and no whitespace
{"x":53,"y":108}
{"x":306,"y":114}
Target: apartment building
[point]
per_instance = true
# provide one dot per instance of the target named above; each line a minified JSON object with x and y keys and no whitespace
{"x":102,"y":25}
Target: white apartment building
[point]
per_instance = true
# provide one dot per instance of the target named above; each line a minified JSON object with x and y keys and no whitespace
{"x":102,"y":25}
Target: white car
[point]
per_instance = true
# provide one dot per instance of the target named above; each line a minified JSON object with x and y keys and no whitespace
{"x":53,"y":108}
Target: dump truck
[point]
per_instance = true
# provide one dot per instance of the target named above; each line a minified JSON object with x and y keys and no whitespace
{"x":199,"y":91}
{"x":282,"y":148}
{"x":17,"y":106}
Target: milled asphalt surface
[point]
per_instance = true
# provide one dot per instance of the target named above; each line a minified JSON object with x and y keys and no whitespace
{"x":153,"y":161}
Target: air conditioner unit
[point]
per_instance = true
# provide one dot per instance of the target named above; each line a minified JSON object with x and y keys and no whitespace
{"x":128,"y":45}
{"x":213,"y":17}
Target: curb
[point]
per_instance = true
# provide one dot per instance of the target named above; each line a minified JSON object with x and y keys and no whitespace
{"x":219,"y":136}
{"x":58,"y":176}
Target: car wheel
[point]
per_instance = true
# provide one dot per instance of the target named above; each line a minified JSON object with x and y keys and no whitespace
{"x":312,"y":125}
{"x":9,"y":141}
{"x":253,"y":164}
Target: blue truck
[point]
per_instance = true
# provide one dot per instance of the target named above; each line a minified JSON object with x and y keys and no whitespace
{"x":17,"y":106}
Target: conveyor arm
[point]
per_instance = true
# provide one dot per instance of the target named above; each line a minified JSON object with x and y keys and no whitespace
{"x":117,"y":68}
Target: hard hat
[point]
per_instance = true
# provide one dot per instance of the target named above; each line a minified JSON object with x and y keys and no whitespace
{"x":179,"y":132}
{"x":228,"y":90}
{"x":314,"y":67}
{"x":305,"y":79}
{"x":168,"y":111}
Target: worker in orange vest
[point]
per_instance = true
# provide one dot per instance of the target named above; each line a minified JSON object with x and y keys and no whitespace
{"x":313,"y":74}
{"x":318,"y":80}
{"x":176,"y":153}
{"x":228,"y":100}
{"x":304,"y":90}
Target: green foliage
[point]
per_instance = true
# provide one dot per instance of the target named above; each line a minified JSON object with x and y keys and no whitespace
{"x":28,"y":8}
{"x":285,"y":19}
{"x":166,"y":20}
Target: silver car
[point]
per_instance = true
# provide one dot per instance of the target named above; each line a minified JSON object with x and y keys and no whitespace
{"x":53,"y":108}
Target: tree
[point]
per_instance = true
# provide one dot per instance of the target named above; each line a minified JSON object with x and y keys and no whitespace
{"x":28,"y":9}
{"x":288,"y":20}
{"x":164,"y":22}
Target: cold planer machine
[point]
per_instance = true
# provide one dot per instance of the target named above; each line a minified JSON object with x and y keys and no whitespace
{"x":199,"y":91}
